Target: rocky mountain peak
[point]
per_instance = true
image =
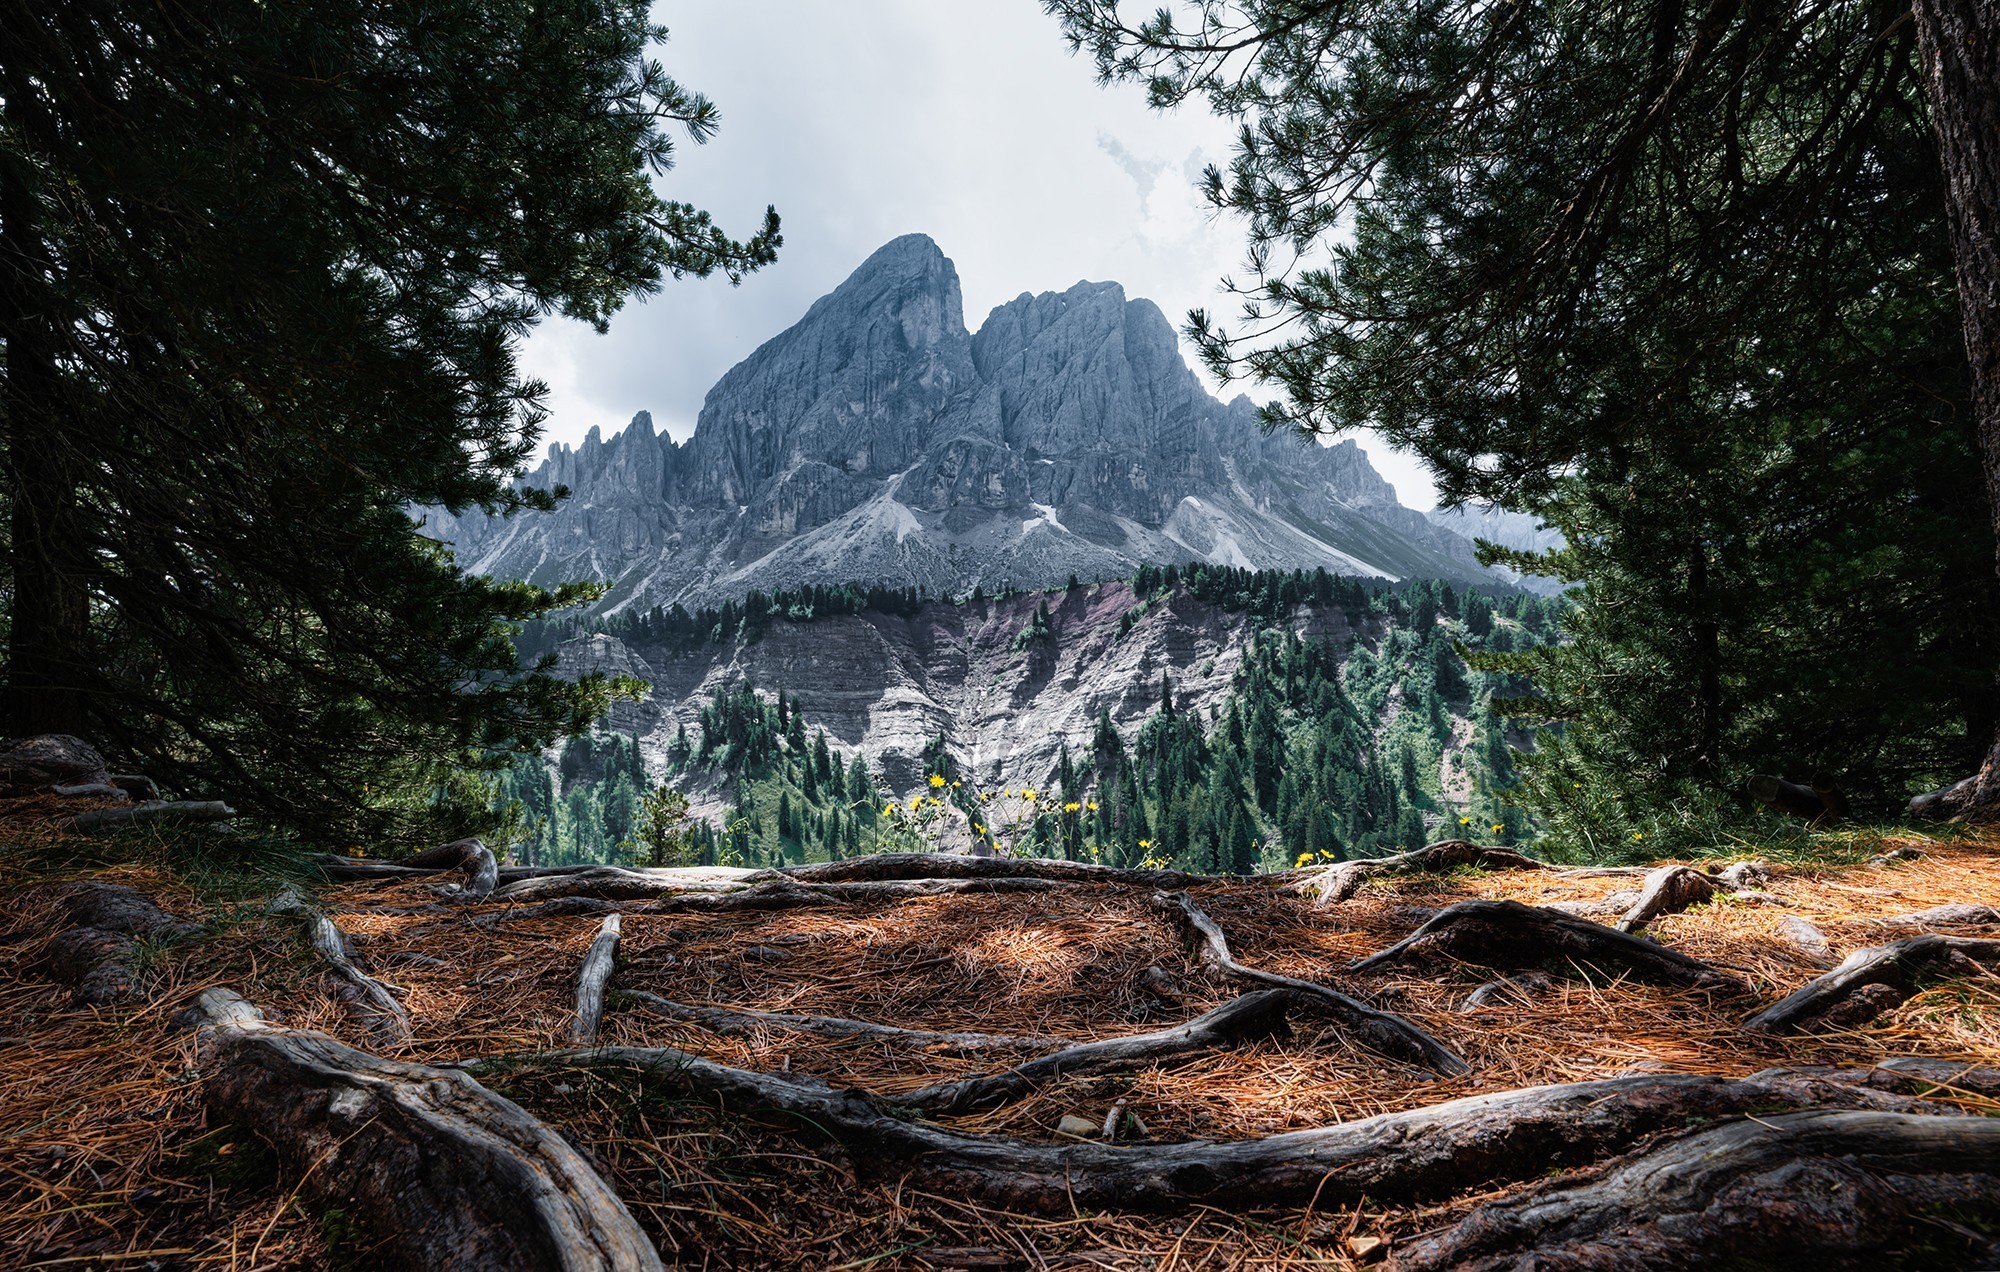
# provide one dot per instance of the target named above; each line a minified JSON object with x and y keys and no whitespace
{"x":877,"y":440}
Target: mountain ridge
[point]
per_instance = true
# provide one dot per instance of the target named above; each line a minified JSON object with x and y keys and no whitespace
{"x":881,"y":441}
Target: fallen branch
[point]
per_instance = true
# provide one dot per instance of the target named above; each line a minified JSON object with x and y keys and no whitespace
{"x":1379,"y":1030}
{"x":1255,"y":1015}
{"x":1850,"y":1189}
{"x":1507,"y":934}
{"x":1871,"y":981}
{"x":592,"y":979}
{"x":738,"y":1021}
{"x":441,"y":1172}
{"x":138,"y":816}
{"x":1342,"y":880}
{"x":380,"y":1008}
{"x":1458,"y":1146}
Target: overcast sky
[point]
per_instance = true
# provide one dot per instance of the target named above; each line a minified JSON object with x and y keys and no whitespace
{"x":967,"y":120}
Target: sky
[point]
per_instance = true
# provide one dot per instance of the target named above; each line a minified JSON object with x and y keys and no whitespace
{"x":967,"y":120}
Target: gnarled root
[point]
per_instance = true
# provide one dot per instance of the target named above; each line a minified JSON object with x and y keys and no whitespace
{"x":1668,"y":890}
{"x":740,"y":1021}
{"x":482,"y":869}
{"x":939,"y":865}
{"x":1379,"y":1030}
{"x":1456,"y":1146}
{"x":592,"y":978}
{"x":1341,"y":881}
{"x":371,"y":999}
{"x":1256,"y":1015}
{"x":442,"y":1172}
{"x":1508,"y":934}
{"x":1826,"y":1188}
{"x":1871,"y":981}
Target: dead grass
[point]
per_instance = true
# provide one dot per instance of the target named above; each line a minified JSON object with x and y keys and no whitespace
{"x":105,"y":1157}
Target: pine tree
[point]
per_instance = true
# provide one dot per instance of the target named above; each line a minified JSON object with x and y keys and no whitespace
{"x":263,"y":270}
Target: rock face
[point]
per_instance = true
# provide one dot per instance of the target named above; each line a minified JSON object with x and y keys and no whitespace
{"x":879,"y":441}
{"x":885,"y":685}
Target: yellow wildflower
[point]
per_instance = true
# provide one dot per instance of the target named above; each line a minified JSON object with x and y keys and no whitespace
{"x":937,"y":781}
{"x":888,"y":810}
{"x":1497,"y":828}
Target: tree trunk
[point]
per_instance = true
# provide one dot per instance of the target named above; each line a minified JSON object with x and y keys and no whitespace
{"x":46,"y":552}
{"x":1959,"y":42}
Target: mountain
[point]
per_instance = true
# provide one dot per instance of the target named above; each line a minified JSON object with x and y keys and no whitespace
{"x":1509,"y":530}
{"x":878,"y":440}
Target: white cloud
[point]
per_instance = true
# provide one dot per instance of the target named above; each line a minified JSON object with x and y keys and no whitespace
{"x":968,"y":121}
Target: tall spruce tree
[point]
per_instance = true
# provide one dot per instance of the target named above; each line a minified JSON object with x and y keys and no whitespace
{"x":1680,"y":279}
{"x":263,"y":271}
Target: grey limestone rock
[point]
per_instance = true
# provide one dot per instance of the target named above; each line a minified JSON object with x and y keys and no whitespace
{"x":878,"y":441}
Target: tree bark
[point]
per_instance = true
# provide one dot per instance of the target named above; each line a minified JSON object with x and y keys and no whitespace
{"x":372,"y":999}
{"x":1381,"y":1031}
{"x":740,"y":1021}
{"x":1959,"y":44}
{"x":1508,"y":934}
{"x":593,"y":977}
{"x":1458,"y":1146}
{"x":1870,"y":982}
{"x":1820,"y":1189}
{"x":1668,"y":890}
{"x":1339,"y":882}
{"x":441,"y":1172}
{"x":1255,"y":1015}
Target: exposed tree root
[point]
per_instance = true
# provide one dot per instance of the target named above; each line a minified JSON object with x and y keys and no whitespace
{"x":1457,"y":1146}
{"x":1519,"y":987}
{"x":1820,"y":1188}
{"x":1379,"y":1030}
{"x":1913,"y":1075}
{"x":561,"y":907}
{"x":482,"y":869}
{"x":1945,"y":916}
{"x":783,"y":894}
{"x":1509,"y":934}
{"x":1668,"y":890}
{"x":591,"y":980}
{"x":616,"y":883}
{"x":1871,"y":981}
{"x":1807,"y":940}
{"x":440,"y":1171}
{"x":939,"y":865}
{"x":371,"y":998}
{"x":731,"y":1020}
{"x":1342,"y":880}
{"x":1255,"y":1015}
{"x":94,"y":952}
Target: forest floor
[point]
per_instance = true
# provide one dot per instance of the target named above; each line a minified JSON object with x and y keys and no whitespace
{"x":107,"y":1158}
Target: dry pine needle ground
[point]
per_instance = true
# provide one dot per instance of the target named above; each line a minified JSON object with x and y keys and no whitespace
{"x":105,"y":1159}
